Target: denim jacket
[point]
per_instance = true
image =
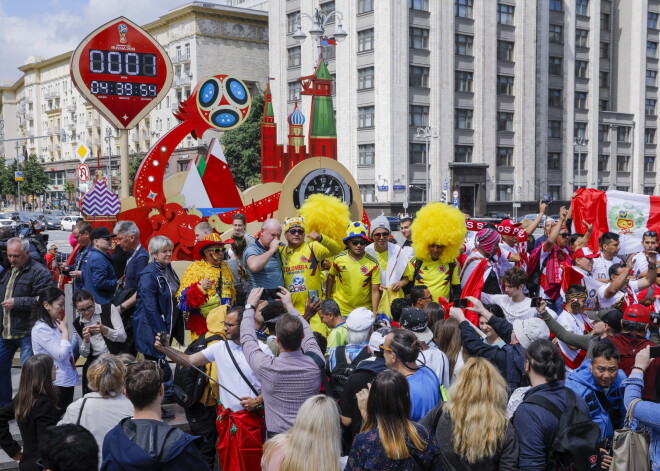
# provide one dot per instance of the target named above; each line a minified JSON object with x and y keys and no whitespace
{"x":646,"y":412}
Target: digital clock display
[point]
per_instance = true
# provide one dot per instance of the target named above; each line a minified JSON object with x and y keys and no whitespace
{"x":122,"y":63}
{"x":105,"y":87}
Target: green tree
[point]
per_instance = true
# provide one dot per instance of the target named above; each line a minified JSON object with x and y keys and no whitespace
{"x":242,"y":147}
{"x":134,"y":161}
{"x":69,"y":189}
{"x":36,"y":180}
{"x":7,"y":182}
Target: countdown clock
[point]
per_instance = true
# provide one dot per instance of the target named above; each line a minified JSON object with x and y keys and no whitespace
{"x":122,"y":71}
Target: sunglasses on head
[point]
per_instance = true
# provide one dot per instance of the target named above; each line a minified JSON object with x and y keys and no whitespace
{"x":650,"y":234}
{"x":358,"y":242}
{"x":296,"y":231}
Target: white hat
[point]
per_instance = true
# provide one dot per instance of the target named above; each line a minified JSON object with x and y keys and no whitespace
{"x":381,"y":222}
{"x":360,"y":319}
{"x":528,"y":330}
{"x":378,"y":338}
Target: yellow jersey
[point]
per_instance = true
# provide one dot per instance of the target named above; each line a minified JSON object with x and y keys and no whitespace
{"x":435,"y":276}
{"x":353,"y":281}
{"x":408,"y":271}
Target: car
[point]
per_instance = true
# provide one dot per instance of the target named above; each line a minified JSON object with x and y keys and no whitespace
{"x":55,"y":212}
{"x":51,"y":221}
{"x":67,"y":222}
{"x":394,"y":223}
{"x":7,"y":228}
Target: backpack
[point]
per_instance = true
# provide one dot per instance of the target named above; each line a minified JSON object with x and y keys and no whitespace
{"x":575,"y":446}
{"x":343,"y":370}
{"x":189,"y":384}
{"x":114,"y":348}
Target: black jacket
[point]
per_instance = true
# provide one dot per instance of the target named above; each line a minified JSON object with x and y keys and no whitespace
{"x":32,"y":279}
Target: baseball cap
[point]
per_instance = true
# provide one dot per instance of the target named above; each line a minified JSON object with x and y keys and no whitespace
{"x":100,"y":233}
{"x":415,"y":320}
{"x":637,"y":313}
{"x":584,"y":253}
{"x":528,"y":330}
{"x":360,"y":319}
{"x":611,"y":317}
{"x":509,"y":223}
{"x":378,"y":338}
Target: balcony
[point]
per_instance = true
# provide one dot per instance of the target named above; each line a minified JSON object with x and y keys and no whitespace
{"x":174,"y":106}
{"x":135,"y":137}
{"x":71,"y":108}
{"x":52,"y":94}
{"x":52,"y":130}
{"x":181,"y":58}
{"x":29,"y":115}
{"x":182,"y":80}
{"x":29,"y":134}
{"x":50,"y":147}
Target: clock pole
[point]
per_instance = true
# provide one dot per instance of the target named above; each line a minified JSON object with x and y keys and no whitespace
{"x":123,"y":164}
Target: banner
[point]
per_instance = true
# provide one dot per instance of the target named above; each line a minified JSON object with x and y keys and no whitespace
{"x":627,"y":214}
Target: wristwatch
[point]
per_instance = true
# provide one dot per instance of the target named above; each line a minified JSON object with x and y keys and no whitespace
{"x":249,"y":306}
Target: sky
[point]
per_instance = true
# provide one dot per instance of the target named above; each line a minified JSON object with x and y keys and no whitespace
{"x":48,"y":28}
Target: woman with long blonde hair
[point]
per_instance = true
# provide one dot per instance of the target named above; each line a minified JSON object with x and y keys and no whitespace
{"x":472,"y":428}
{"x":312,"y":444}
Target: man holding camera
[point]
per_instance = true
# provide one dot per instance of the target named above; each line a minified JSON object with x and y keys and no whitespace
{"x":574,"y":320}
{"x":262,"y":259}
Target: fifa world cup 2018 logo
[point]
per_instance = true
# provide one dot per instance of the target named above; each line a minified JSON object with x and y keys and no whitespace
{"x":123,"y":29}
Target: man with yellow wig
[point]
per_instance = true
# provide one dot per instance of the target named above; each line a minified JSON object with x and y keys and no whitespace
{"x":301,"y":264}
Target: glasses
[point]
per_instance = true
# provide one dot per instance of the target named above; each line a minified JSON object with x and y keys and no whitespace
{"x":296,"y":231}
{"x":358,"y":242}
{"x":383,"y":348}
{"x":213,"y":250}
{"x":650,"y":234}
{"x":54,"y":248}
{"x":564,"y":234}
{"x":611,"y":369}
{"x":380,"y":235}
{"x":229,"y":324}
{"x":84,"y":309}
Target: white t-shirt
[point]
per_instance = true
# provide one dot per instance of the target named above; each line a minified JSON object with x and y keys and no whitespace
{"x":602,"y":266}
{"x":514,"y":311}
{"x":633,"y":288}
{"x":437,"y":361}
{"x":229,"y":377}
{"x":640,"y":263}
{"x":575,"y":323}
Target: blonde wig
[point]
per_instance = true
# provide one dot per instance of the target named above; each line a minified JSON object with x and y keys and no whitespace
{"x":438,"y":223}
{"x":326,"y":215}
{"x":478,"y":410}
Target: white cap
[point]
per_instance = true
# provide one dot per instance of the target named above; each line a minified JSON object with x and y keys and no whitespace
{"x":360,"y":319}
{"x":528,"y":330}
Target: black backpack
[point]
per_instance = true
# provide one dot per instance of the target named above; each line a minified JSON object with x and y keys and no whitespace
{"x":575,"y":446}
{"x":343,"y":370}
{"x":189,"y":384}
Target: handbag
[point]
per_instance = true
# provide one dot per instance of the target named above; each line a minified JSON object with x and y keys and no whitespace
{"x":630,"y":448}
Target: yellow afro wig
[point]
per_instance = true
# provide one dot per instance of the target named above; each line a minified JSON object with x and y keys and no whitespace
{"x":326,"y":215}
{"x":438,"y":223}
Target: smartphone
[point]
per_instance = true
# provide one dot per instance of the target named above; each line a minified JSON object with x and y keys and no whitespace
{"x":536,"y":302}
{"x":655,"y":352}
{"x":461,"y":303}
{"x":270,"y":294}
{"x":546,"y":199}
{"x":313,"y":295}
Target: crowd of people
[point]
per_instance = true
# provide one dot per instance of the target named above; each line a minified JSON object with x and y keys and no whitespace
{"x":458,"y":346}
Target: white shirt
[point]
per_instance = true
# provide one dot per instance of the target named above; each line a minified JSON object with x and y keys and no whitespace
{"x":49,"y":341}
{"x":576,"y":324}
{"x":96,"y":342}
{"x":640,"y":263}
{"x":437,"y":361}
{"x":229,"y":377}
{"x":633,"y":288}
{"x":602,"y":266}
{"x":512,"y":310}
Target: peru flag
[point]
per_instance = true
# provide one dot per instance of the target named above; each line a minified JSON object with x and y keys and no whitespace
{"x":626,"y":214}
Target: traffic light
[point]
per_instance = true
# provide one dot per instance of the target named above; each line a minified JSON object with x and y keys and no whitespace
{"x":444,"y":196}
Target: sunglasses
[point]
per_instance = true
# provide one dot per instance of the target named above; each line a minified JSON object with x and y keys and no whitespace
{"x":381,"y":235}
{"x":296,"y":231}
{"x":564,"y":234}
{"x":650,"y":234}
{"x":214,"y":250}
{"x":358,"y":242}
{"x":436,"y":246}
{"x":383,"y":348}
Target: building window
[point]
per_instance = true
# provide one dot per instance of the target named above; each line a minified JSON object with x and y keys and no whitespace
{"x":504,"y":14}
{"x":555,"y":65}
{"x":554,"y":97}
{"x":463,"y":81}
{"x":418,"y":5}
{"x":604,"y":50}
{"x":419,"y":76}
{"x":603,"y":133}
{"x":504,"y":85}
{"x":604,"y":22}
{"x":504,"y":121}
{"x":556,"y":34}
{"x":463,"y":8}
{"x":652,"y":21}
{"x":419,"y":115}
{"x":417,"y":154}
{"x":294,"y":90}
{"x":462,"y":118}
{"x":368,"y":193}
{"x":580,"y":129}
{"x":417,"y":192}
{"x":366,"y":154}
{"x":462,"y":153}
{"x":603,"y":79}
{"x":623,"y":188}
{"x":291,"y":22}
{"x":623,"y":134}
{"x":554,"y":129}
{"x":622,"y":162}
{"x":649,"y":163}
{"x":554,"y":192}
{"x":581,"y":68}
{"x":651,"y":49}
{"x":651,"y":78}
{"x":555,"y":5}
{"x":579,"y":160}
{"x":419,"y":38}
{"x":603,"y":105}
{"x":326,"y":8}
{"x":504,"y":50}
{"x":365,"y":6}
{"x":504,"y":156}
{"x":365,"y":78}
{"x":294,"y":56}
{"x":366,"y":40}
{"x":554,"y":160}
{"x":366,"y":116}
{"x":649,"y":136}
{"x":603,"y":187}
{"x":582,"y":7}
{"x":582,"y":37}
{"x":580,"y":100}
{"x":648,"y":190}
{"x":504,"y":192}
{"x":463,"y":44}
{"x":330,"y":51}
{"x":182,"y":165}
{"x":603,"y":162}
{"x":650,"y":106}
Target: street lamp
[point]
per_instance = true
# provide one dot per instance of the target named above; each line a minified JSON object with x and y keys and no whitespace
{"x":578,"y":142}
{"x":18,"y":183}
{"x":319,"y":23}
{"x":427,"y":133}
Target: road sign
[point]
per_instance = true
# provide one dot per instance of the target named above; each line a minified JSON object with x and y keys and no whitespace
{"x":122,"y":71}
{"x":455,"y":194}
{"x":456,"y":202}
{"x":516,"y":205}
{"x":82,"y":152}
{"x":83,"y":172}
{"x":18,"y":176}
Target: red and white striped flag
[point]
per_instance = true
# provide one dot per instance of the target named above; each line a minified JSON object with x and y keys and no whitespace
{"x":626,"y":214}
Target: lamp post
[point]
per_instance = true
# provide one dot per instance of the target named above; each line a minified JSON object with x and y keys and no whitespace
{"x":427,"y":133}
{"x":578,"y":142}
{"x":108,"y":139}
{"x":18,"y":183}
{"x":319,"y":23}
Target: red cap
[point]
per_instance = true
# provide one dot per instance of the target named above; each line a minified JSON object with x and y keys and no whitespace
{"x":509,"y":223}
{"x":637,"y":313}
{"x":584,"y":253}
